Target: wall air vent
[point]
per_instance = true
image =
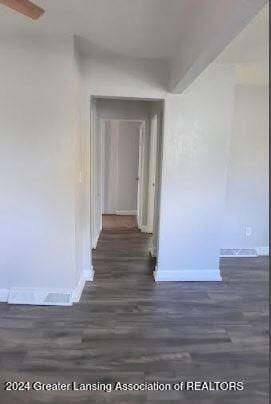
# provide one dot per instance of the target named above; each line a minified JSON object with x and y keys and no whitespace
{"x":235,"y":252}
{"x":40,"y":297}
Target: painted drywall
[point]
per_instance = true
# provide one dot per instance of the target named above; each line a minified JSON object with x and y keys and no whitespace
{"x":95,"y":179}
{"x":110,"y":167}
{"x":124,"y":77}
{"x":157,"y":108}
{"x":45,"y":214}
{"x":80,"y":253}
{"x":246,"y":204}
{"x":195,"y":154}
{"x":197,"y":128}
{"x":247,"y":191}
{"x":40,"y":224}
{"x":110,"y":108}
{"x":37,"y":165}
{"x":110,"y":77}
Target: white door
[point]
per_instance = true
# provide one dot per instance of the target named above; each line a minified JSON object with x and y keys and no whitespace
{"x":127,"y":184}
{"x":120,"y":168}
{"x":152,"y":173}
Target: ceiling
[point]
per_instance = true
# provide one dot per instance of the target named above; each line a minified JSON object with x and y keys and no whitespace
{"x":150,"y":29}
{"x":138,"y":28}
{"x":186,"y":34}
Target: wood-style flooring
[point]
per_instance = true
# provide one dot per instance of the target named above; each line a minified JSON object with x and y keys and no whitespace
{"x":128,"y":328}
{"x":119,"y":222}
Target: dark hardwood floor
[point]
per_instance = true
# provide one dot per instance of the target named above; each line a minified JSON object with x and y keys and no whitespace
{"x":111,"y":222}
{"x":128,"y":328}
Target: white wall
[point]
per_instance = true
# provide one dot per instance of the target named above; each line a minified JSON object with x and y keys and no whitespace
{"x":45,"y":215}
{"x":110,"y":166}
{"x":124,"y":77}
{"x":37,"y":123}
{"x":113,"y":77}
{"x":95,"y":168}
{"x":80,"y":226}
{"x":247,"y":180}
{"x":157,"y":108}
{"x":45,"y":227}
{"x":110,"y":108}
{"x":195,"y":149}
{"x":197,"y":127}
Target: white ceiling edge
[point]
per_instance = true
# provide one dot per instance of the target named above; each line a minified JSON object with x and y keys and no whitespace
{"x":217,"y":44}
{"x":88,"y":49}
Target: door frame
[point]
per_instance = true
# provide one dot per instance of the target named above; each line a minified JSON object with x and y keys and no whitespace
{"x":96,"y":141}
{"x":141,"y":163}
{"x":90,"y":169}
{"x":152,"y":172}
{"x":93,"y":174}
{"x":141,"y":172}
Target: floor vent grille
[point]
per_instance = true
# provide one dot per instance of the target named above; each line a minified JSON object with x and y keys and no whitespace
{"x":39,"y":297}
{"x":235,"y":252}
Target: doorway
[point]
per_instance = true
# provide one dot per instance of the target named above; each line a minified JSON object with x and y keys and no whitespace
{"x":126,"y":147}
{"x":121,"y":188}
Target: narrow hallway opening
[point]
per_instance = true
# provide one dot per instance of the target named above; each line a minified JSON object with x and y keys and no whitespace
{"x":123,"y":254}
{"x":126,"y":150}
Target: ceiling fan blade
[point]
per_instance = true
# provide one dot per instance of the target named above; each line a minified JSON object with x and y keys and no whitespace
{"x":25,"y":7}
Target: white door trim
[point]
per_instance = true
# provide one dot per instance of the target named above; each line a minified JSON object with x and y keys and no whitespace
{"x":93,"y":174}
{"x":102,"y":162}
{"x":96,"y":139}
{"x":152,"y":172}
{"x":141,"y":171}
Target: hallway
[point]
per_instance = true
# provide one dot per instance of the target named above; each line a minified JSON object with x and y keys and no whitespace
{"x":123,"y":255}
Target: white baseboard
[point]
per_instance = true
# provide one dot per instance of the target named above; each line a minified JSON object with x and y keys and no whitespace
{"x":4,"y":295}
{"x":47,"y":296}
{"x":262,"y":250}
{"x":145,"y":229}
{"x":126,"y":212}
{"x":95,"y":241}
{"x":89,"y":274}
{"x":77,"y":291}
{"x":187,"y":275}
{"x":153,"y":251}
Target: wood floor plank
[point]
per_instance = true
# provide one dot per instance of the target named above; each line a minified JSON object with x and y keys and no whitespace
{"x":129,"y":328}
